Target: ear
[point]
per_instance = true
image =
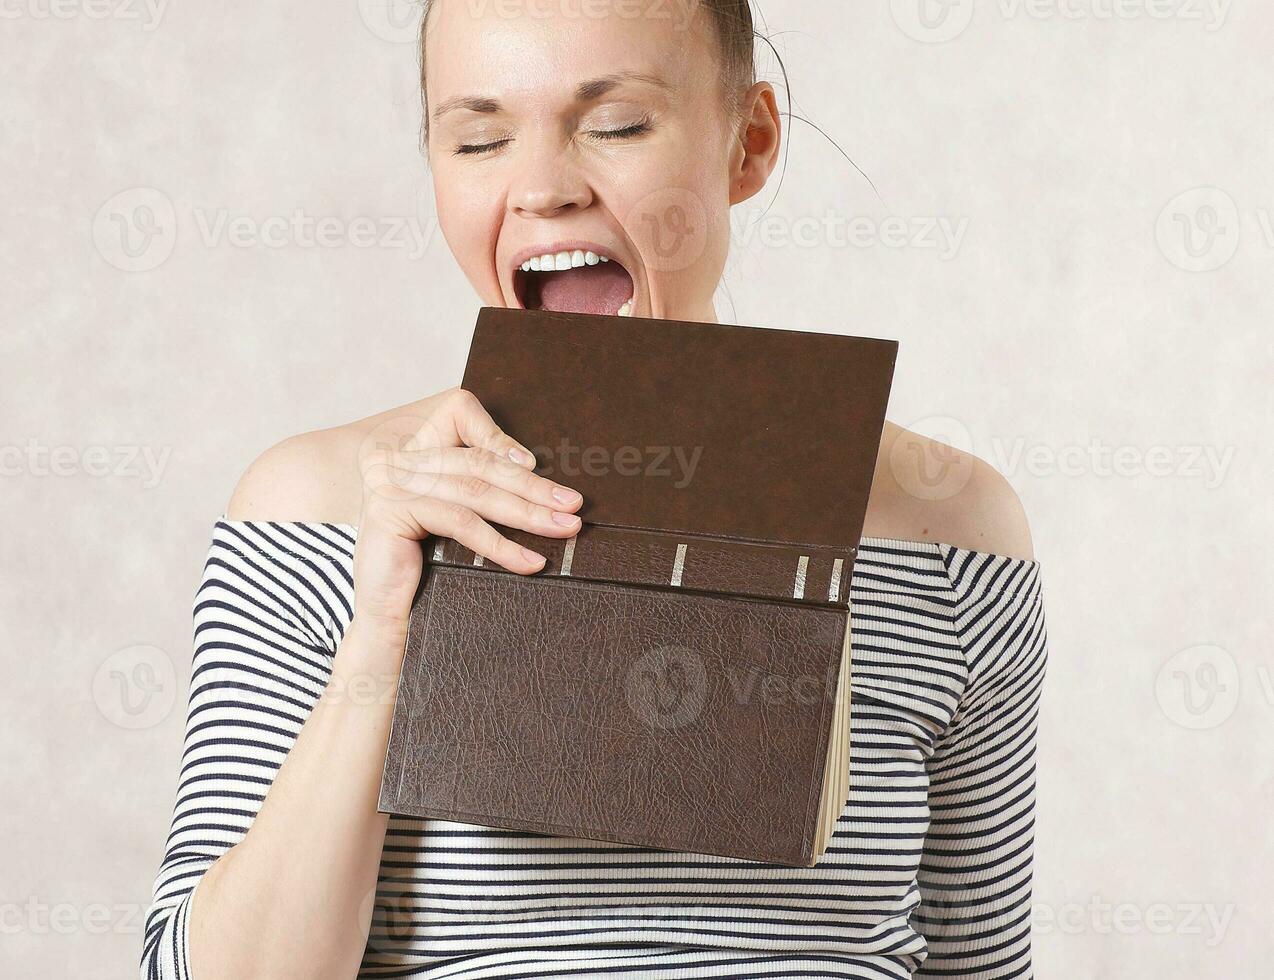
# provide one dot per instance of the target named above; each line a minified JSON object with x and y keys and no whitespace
{"x":756,"y":151}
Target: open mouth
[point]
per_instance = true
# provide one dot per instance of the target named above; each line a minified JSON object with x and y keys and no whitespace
{"x":574,"y":281}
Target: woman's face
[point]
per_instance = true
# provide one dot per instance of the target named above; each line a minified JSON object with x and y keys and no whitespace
{"x":566,"y":128}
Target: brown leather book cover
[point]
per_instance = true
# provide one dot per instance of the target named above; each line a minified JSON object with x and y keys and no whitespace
{"x":677,"y":676}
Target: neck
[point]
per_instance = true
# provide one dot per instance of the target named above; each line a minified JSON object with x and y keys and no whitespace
{"x":703,"y":313}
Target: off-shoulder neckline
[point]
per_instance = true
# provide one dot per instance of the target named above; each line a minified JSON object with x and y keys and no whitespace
{"x":871,"y":541}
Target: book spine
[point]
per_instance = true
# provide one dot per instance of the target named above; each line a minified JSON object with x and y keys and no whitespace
{"x":805,"y":574}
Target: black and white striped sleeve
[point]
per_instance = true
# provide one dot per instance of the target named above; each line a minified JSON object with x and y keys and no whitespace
{"x":263,"y":644}
{"x":975,"y":871}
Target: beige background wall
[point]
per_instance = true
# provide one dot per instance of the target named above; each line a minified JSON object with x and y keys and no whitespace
{"x":1073,"y":302}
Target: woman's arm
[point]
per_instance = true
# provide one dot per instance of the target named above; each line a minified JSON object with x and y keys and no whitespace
{"x":273,"y":853}
{"x":275,"y":826}
{"x":294,"y":898}
{"x":976,"y":868}
{"x":272,"y":862}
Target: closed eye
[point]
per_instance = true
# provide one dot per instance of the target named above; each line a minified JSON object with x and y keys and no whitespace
{"x":636,"y":129}
{"x":468,"y":148}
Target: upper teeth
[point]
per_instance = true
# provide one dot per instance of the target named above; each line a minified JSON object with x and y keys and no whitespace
{"x":558,"y":261}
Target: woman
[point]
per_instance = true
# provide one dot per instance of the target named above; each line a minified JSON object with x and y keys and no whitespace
{"x":560,"y":134}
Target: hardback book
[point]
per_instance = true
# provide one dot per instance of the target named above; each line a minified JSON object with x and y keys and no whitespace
{"x":677,"y":676}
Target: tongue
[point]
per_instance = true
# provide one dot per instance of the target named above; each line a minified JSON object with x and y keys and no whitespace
{"x":601,"y":288}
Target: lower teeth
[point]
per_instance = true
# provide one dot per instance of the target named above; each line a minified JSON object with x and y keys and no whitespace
{"x":626,"y":309}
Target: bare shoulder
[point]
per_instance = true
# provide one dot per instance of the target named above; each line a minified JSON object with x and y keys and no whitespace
{"x":315,"y":476}
{"x":924,"y":490}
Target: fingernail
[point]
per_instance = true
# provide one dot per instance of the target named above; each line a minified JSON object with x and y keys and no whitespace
{"x":533,"y":557}
{"x":566,"y":496}
{"x":566,"y":520}
{"x":521,"y":457}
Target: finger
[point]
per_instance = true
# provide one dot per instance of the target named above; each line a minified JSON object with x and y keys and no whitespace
{"x":497,"y":504}
{"x":411,"y":470}
{"x":462,"y":524}
{"x":462,"y":420}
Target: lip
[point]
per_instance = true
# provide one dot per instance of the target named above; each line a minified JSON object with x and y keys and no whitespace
{"x":565,"y":245}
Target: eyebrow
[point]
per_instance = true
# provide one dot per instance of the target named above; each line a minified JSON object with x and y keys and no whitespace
{"x":595,"y":88}
{"x":587,"y":91}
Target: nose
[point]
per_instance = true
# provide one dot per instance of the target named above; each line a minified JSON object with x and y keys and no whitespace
{"x":547,"y":184}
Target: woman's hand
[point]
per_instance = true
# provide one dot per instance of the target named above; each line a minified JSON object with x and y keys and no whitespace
{"x":447,"y":471}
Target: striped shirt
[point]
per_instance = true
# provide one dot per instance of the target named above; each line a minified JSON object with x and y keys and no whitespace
{"x":928,"y":874}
